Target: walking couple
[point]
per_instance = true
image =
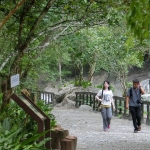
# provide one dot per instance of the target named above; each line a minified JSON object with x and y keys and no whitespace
{"x":133,"y":98}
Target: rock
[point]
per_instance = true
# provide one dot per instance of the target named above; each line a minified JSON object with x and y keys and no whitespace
{"x":85,"y":108}
{"x":93,"y":89}
{"x":66,"y":97}
{"x":58,"y":105}
{"x":71,"y":97}
{"x":67,"y":87}
{"x":60,"y":96}
{"x":68,"y":103}
{"x":53,"y":90}
{"x":69,"y":91}
{"x":146,"y":97}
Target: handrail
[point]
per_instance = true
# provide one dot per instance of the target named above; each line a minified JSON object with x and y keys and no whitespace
{"x":88,"y":98}
{"x":46,"y":96}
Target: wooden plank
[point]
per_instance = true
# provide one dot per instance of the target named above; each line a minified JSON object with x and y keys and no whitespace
{"x":116,"y":105}
{"x":142,"y":111}
{"x":125,"y":109}
{"x":147,"y":119}
{"x":87,"y":101}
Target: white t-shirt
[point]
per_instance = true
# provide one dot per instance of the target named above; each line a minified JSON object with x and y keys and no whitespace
{"x":107,"y":97}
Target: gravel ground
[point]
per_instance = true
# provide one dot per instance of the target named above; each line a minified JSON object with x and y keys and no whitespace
{"x":87,"y":127}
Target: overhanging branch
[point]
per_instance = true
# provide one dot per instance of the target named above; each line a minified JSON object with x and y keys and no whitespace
{"x":11,"y":13}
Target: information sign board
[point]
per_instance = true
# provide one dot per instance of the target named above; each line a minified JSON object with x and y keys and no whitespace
{"x":14,"y":80}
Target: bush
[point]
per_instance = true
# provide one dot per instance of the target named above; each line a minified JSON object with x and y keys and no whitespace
{"x":18,"y":131}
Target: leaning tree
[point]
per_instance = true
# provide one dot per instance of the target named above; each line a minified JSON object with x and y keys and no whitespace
{"x":34,"y":24}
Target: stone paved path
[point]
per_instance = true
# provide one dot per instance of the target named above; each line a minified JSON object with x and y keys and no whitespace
{"x":87,"y":126}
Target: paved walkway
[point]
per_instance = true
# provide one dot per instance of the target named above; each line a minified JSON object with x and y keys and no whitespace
{"x":87,"y":126}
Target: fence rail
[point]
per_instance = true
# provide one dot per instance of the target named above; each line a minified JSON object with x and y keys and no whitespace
{"x":46,"y":96}
{"x":88,"y":98}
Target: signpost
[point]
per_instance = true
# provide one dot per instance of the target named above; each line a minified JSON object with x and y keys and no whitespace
{"x":38,"y":115}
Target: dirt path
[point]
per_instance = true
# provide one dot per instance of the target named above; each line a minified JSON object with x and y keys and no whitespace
{"x":87,"y":126}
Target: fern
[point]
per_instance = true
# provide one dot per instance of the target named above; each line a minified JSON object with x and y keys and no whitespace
{"x":17,"y":147}
{"x":6,"y":124}
{"x":43,"y":142}
{"x":28,"y":147}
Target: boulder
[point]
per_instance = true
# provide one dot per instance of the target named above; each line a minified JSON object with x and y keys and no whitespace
{"x":85,"y":108}
{"x":71,"y":97}
{"x":146,"y":97}
{"x":93,"y":90}
{"x":68,"y":103}
{"x":69,"y":91}
{"x":58,"y":105}
{"x":59,"y":96}
{"x":53,"y":90}
{"x":66,"y":88}
{"x":65,"y":96}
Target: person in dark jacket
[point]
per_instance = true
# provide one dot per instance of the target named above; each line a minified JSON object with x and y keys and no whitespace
{"x":133,"y":103}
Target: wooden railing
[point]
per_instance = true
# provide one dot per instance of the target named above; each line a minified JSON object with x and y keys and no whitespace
{"x":46,"y":96}
{"x":88,"y":98}
{"x":85,"y":98}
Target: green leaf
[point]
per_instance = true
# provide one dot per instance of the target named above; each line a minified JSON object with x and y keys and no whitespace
{"x":34,"y":138}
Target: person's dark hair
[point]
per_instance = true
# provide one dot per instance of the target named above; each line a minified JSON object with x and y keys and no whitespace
{"x":136,"y":81}
{"x":107,"y":83}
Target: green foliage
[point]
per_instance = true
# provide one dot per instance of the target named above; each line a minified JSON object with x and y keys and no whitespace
{"x":83,"y":83}
{"x":12,"y":140}
{"x":47,"y":109}
{"x":19,"y":134}
{"x":29,"y":41}
{"x":6,"y":124}
{"x":129,"y":84}
{"x":138,"y":18}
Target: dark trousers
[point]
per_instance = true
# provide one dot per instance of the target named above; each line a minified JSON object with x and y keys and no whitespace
{"x":136,"y":116}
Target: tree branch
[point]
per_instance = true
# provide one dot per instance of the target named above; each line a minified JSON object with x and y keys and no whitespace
{"x":40,"y":17}
{"x":26,"y":9}
{"x":6,"y":61}
{"x":11,"y":13}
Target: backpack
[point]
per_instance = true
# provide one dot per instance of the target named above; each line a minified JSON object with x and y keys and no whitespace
{"x":132,"y":90}
{"x":139,"y":100}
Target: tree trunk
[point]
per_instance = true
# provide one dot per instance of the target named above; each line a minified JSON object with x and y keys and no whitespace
{"x":20,"y":48}
{"x":123,"y":83}
{"x":60,"y":72}
{"x":67,"y":144}
{"x":91,"y":72}
{"x":11,"y":13}
{"x":57,"y":135}
{"x":7,"y":91}
{"x":74,"y":139}
{"x":80,"y":75}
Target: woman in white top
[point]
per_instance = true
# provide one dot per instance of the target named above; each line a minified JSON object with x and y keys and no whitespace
{"x":106,"y":101}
